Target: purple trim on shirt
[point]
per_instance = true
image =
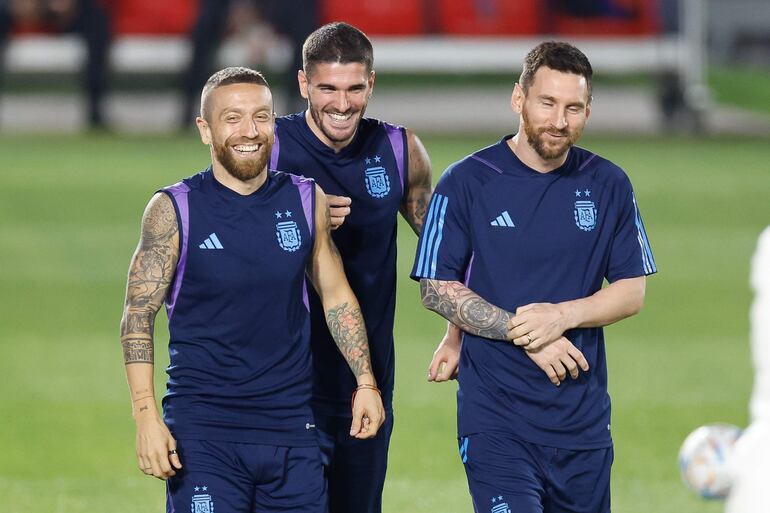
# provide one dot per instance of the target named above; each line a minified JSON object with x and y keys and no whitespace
{"x":488,"y":164}
{"x":584,"y":164}
{"x":275,"y":152}
{"x":305,"y":298}
{"x":179,"y":192}
{"x":396,"y":137}
{"x":468,"y":269}
{"x":306,"y":189}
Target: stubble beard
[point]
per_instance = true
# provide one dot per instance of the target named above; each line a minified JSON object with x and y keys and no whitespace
{"x":244,"y":170}
{"x":317,"y":115}
{"x":536,"y":139}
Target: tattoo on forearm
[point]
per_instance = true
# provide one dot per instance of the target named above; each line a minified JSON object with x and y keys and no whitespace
{"x":346,"y":326}
{"x":464,"y":308}
{"x":415,"y":207}
{"x":137,"y":350}
{"x":150,"y":274}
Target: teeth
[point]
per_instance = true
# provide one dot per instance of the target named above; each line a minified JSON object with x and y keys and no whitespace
{"x":339,"y":117}
{"x":246,"y":148}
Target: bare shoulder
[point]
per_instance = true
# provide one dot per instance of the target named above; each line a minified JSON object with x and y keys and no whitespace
{"x":159,"y":219}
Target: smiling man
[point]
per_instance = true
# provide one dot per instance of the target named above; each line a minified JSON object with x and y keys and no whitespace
{"x":372,"y":170}
{"x":229,"y":251}
{"x":518,"y":241}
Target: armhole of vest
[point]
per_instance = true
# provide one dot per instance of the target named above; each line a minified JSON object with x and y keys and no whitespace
{"x":313,"y":203}
{"x":275,"y":152}
{"x":182,"y":221}
{"x":405,"y":157}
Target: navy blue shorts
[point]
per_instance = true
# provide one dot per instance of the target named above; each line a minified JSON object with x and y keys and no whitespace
{"x":508,"y":475}
{"x":355,"y":469}
{"x":229,"y":477}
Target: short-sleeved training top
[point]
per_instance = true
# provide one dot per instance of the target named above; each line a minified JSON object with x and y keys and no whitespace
{"x":516,"y":236}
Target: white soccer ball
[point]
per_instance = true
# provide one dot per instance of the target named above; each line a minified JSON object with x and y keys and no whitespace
{"x":703,"y":459}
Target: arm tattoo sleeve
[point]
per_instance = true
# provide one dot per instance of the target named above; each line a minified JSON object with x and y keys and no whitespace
{"x":149,"y":276}
{"x":465,"y":309}
{"x":417,"y":198}
{"x":346,"y":326}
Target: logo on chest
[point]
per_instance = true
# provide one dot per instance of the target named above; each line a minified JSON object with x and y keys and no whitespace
{"x":287,"y":232}
{"x":376,"y":178}
{"x":585,"y":211}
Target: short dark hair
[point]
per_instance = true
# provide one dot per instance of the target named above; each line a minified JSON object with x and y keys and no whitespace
{"x":559,"y":56}
{"x":229,"y":76}
{"x":337,"y":42}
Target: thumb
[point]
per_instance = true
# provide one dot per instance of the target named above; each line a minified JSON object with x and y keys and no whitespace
{"x":434,"y":366}
{"x":355,"y":427}
{"x":174,"y":455}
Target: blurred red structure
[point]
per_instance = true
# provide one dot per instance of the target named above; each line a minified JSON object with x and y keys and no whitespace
{"x":488,"y":17}
{"x":153,"y":17}
{"x":406,"y":18}
{"x":381,"y":17}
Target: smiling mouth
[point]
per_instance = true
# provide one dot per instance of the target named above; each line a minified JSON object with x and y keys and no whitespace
{"x":340,"y":118}
{"x":246,"y":149}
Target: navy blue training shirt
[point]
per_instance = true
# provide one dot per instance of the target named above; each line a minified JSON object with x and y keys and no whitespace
{"x":239,"y":324}
{"x":372,"y":171}
{"x":516,"y":236}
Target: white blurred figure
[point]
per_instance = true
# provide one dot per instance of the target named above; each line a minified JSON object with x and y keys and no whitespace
{"x":750,"y":462}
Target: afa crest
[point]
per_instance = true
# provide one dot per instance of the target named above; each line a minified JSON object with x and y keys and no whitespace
{"x":585,"y":215}
{"x":202,"y":503}
{"x":377,"y":182}
{"x":288,"y":236}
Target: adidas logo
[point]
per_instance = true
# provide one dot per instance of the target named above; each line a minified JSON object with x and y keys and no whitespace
{"x":503,"y":220}
{"x":211,"y":242}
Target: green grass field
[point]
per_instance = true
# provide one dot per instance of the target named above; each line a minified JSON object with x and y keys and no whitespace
{"x":69,"y":216}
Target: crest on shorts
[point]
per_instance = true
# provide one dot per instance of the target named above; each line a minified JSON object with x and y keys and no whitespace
{"x":377,"y":181}
{"x":585,"y":215}
{"x":499,"y":506}
{"x":201,"y":502}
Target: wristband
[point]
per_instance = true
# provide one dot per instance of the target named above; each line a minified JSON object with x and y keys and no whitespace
{"x":365,"y":386}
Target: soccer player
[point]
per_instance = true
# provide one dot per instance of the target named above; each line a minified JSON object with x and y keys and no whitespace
{"x":371,"y":170}
{"x":518,"y":239}
{"x":229,"y":250}
{"x":750,"y":462}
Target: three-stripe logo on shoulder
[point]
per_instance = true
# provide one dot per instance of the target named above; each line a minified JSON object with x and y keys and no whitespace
{"x":503,"y":220}
{"x":211,"y":242}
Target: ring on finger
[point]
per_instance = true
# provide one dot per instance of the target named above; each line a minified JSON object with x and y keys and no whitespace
{"x":529,"y":339}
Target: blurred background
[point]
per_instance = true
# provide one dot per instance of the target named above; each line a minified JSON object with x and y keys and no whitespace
{"x":97,"y":100}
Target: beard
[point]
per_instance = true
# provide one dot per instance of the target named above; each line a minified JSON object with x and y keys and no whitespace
{"x":536,"y":139}
{"x":243,"y":169}
{"x":317,"y":115}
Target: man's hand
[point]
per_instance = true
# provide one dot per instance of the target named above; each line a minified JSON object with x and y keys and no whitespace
{"x":155,"y":447}
{"x":559,"y":358}
{"x":537,"y":324}
{"x":446,"y":357}
{"x":339,"y":208}
{"x":368,"y":413}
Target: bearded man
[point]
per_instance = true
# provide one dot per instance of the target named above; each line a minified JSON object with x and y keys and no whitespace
{"x":518,"y":240}
{"x":230,"y":251}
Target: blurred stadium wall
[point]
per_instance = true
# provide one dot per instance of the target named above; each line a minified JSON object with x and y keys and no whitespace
{"x":444,"y":65}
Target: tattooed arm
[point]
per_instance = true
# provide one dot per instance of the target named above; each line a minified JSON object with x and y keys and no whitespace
{"x":465,"y":309}
{"x":443,"y":366}
{"x":346,"y":324}
{"x":420,"y":186}
{"x":149,"y":276}
{"x":472,"y":314}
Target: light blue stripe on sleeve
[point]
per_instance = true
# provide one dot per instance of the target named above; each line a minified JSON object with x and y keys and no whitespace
{"x":434,"y":256}
{"x":427,"y":232}
{"x":647,"y":259}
